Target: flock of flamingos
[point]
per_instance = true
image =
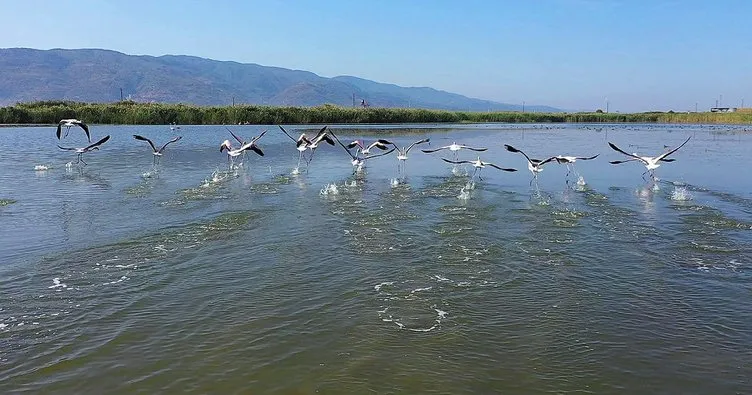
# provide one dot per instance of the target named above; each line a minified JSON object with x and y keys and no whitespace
{"x":360,"y":153}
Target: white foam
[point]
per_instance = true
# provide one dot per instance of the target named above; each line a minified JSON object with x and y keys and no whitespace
{"x":442,"y":314}
{"x":420,"y":289}
{"x":41,"y":167}
{"x":161,"y":248}
{"x":681,"y":194}
{"x":3,"y":326}
{"x":217,"y":177}
{"x":580,"y":185}
{"x":120,"y":280}
{"x":295,"y":171}
{"x":148,"y":174}
{"x":440,"y":278}
{"x":57,"y":284}
{"x":465,"y":191}
{"x":394,"y":182}
{"x":424,"y":330}
{"x":377,"y":287}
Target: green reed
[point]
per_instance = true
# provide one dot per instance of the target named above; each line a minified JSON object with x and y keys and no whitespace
{"x":133,"y":113}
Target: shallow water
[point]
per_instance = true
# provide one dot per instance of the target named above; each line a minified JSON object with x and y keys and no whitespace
{"x":193,"y":278}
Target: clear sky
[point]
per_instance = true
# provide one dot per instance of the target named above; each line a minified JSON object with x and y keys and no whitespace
{"x":572,"y":54}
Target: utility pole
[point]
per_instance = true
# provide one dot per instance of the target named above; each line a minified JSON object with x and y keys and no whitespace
{"x":742,"y":102}
{"x":233,"y":101}
{"x":353,"y":97}
{"x":523,"y":106}
{"x":720,"y":102}
{"x":121,"y":94}
{"x":695,"y":106}
{"x":606,"y":105}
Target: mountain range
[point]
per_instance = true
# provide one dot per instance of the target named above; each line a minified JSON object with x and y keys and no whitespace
{"x":98,"y":75}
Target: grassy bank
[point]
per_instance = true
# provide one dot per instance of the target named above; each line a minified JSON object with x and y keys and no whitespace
{"x":132,"y":113}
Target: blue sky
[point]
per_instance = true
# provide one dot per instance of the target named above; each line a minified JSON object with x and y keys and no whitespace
{"x":572,"y":54}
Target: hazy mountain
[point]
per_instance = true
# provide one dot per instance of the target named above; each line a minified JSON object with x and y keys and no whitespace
{"x":96,"y":75}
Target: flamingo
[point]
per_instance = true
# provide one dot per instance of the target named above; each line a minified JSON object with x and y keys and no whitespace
{"x":570,"y":160}
{"x":402,"y":153}
{"x":534,"y":165}
{"x":82,"y":150}
{"x":478,"y":165}
{"x":454,"y":148}
{"x":233,"y":153}
{"x":651,"y":163}
{"x":157,"y":152}
{"x":301,"y":144}
{"x":68,"y":123}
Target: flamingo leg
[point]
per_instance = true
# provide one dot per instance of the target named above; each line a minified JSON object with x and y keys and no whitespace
{"x":313,"y":151}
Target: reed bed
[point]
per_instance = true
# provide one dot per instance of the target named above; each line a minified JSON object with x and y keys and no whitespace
{"x":133,"y":113}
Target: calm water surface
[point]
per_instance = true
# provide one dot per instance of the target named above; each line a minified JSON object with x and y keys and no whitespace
{"x":190,"y":278}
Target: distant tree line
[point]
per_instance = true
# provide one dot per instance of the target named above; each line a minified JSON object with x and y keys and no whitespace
{"x":134,"y":113}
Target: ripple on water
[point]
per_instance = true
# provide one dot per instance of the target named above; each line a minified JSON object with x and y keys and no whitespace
{"x":411,"y":308}
{"x":55,"y":303}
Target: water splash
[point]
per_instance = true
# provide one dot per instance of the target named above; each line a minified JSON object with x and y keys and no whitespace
{"x":394,"y":182}
{"x":681,"y":194}
{"x":378,"y":287}
{"x":329,"y":189}
{"x":57,"y":284}
{"x":295,"y":171}
{"x":41,"y":168}
{"x":459,"y":171}
{"x":465,"y":191}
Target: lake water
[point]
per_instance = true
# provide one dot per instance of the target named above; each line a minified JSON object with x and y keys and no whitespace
{"x":119,"y":278}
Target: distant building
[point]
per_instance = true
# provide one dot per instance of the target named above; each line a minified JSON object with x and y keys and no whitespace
{"x":723,"y":109}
